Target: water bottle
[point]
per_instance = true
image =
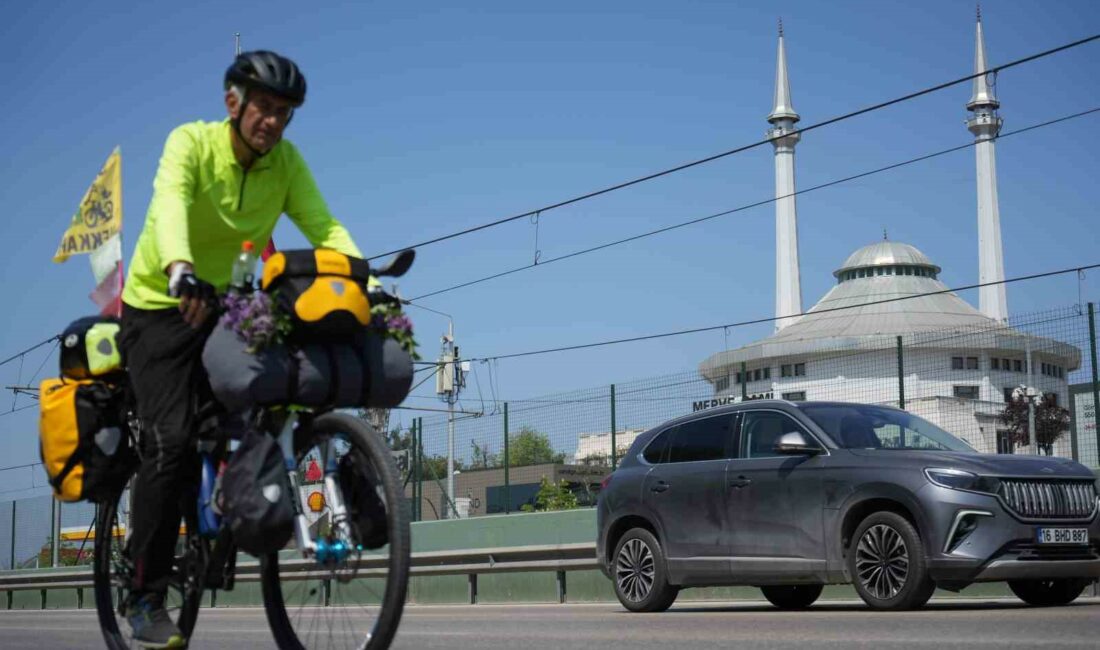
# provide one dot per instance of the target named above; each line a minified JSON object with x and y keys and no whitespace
{"x":209,"y":521}
{"x":244,"y":269}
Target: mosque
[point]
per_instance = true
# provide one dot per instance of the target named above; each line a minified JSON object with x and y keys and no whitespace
{"x":959,"y":364}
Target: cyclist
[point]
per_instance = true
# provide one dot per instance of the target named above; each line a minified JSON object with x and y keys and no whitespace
{"x":218,"y":184}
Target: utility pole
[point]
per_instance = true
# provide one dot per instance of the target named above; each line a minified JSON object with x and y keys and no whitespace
{"x":449,"y":382}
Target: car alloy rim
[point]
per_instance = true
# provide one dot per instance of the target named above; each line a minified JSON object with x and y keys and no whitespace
{"x":634,"y":570}
{"x":882,"y":561}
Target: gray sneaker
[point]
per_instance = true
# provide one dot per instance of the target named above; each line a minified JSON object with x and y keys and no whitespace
{"x":151,"y":625}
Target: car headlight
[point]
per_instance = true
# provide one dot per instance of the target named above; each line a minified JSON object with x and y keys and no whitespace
{"x":958,"y":479}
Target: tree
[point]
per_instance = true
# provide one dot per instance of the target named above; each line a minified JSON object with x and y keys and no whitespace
{"x":1051,"y":422}
{"x":482,"y":457}
{"x":552,"y":497}
{"x":530,"y":447}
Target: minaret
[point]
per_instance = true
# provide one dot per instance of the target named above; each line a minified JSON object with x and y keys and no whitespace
{"x":985,"y":124}
{"x":788,"y":286}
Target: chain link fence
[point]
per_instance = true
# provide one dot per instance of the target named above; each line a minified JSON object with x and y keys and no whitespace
{"x":1028,"y":386}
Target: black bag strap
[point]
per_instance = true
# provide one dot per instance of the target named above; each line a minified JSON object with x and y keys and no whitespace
{"x":292,"y":377}
{"x":334,"y":376}
{"x":76,"y":457}
{"x":303,"y":263}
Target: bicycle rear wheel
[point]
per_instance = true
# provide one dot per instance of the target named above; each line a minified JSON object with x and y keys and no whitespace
{"x":112,"y":573}
{"x":356,"y":601}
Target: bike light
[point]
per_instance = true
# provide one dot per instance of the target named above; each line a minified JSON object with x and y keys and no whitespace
{"x":958,"y":479}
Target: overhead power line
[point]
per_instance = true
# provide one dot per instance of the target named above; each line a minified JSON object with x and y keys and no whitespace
{"x":30,"y":349}
{"x":771,"y":319}
{"x":724,"y":154}
{"x":742,"y":208}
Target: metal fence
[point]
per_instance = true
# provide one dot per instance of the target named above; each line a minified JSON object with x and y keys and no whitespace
{"x":959,"y":378}
{"x":1027,"y":386}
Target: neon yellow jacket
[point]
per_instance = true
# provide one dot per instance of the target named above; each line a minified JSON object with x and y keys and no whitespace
{"x":205,"y":205}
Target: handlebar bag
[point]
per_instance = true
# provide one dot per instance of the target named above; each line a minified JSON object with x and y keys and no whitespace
{"x":89,"y":348}
{"x":83,"y":439}
{"x":323,"y":290}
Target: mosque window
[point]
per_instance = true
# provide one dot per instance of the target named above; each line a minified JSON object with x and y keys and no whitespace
{"x":799,"y":370}
{"x":957,"y":363}
{"x":994,"y":364}
{"x":785,"y":370}
{"x":879,"y":271}
{"x":1018,"y":366}
{"x":737,"y":378}
{"x":972,"y":363}
{"x":1008,"y":393}
{"x":722,"y":385}
{"x":767,"y":373}
{"x":966,"y":392}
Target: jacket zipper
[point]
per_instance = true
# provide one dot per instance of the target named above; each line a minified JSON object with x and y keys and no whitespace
{"x":240,"y":197}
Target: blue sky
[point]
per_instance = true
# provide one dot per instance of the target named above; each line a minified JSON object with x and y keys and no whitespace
{"x":426,"y":118}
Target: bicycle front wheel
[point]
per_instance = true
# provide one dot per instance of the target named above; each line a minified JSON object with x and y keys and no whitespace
{"x":352,"y":598}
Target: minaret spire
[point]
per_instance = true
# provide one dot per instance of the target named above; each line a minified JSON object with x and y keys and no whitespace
{"x":788,"y":286}
{"x":985,"y":123}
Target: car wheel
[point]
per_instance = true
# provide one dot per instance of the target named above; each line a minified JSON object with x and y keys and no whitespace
{"x":887,"y":563}
{"x":639,"y":574}
{"x":792,"y":596}
{"x":1048,"y":593}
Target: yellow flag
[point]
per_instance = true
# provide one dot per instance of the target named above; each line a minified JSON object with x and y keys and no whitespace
{"x":99,"y":217}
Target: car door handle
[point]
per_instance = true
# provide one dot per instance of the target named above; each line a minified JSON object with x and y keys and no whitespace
{"x":661,"y":486}
{"x":740,"y":482}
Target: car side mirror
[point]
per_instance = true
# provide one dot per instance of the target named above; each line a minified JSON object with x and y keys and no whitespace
{"x":795,"y":444}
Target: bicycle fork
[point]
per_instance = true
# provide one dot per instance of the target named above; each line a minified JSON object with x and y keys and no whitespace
{"x":324,"y":551}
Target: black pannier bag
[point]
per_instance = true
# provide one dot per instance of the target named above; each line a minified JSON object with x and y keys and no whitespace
{"x":359,"y":485}
{"x":370,"y":371}
{"x":257,"y":492}
{"x":323,"y":290}
{"x":84,"y":440}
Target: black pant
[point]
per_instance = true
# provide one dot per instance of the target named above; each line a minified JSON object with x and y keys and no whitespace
{"x":164,"y":357}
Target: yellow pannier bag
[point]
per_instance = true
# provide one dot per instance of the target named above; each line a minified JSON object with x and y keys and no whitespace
{"x":324,"y":291}
{"x":84,"y":443}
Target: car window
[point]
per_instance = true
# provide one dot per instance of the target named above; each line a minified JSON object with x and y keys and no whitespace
{"x":703,"y":439}
{"x":860,"y":426}
{"x":761,"y":430}
{"x":655,"y":451}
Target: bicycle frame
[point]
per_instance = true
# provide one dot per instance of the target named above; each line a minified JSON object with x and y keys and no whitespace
{"x":321,"y":550}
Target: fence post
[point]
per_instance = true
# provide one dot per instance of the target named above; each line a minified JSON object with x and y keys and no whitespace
{"x":744,"y":382}
{"x":614,"y":451}
{"x":901,"y":376}
{"x":419,"y":485}
{"x":507,"y":463}
{"x":55,"y":517}
{"x":12,"y":565}
{"x":1095,"y":379}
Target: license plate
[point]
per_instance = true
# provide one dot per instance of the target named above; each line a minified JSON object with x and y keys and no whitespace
{"x":1063,"y":535}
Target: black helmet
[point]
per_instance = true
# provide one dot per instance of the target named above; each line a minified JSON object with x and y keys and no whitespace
{"x":267,"y":70}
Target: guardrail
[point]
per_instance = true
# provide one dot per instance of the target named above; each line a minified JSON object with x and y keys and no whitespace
{"x":558,"y":558}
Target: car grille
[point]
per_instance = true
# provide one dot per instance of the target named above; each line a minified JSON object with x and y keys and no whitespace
{"x":1049,"y":499}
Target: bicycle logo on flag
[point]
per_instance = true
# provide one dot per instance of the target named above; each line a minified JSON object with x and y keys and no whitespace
{"x":98,"y":208}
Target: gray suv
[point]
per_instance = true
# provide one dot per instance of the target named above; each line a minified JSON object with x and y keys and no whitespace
{"x":790,"y":497}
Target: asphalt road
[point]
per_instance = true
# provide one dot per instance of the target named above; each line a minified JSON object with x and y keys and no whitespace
{"x":942,"y":624}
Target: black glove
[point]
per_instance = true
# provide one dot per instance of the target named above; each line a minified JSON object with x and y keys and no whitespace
{"x":187,"y":285}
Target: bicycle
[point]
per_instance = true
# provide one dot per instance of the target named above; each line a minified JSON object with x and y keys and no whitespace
{"x":297,"y":591}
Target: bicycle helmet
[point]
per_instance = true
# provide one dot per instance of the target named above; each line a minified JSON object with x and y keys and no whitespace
{"x":269,"y":71}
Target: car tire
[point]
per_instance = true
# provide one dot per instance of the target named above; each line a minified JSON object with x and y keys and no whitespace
{"x":1048,"y":593}
{"x":639,"y":574}
{"x":887,"y":563}
{"x":792,"y":596}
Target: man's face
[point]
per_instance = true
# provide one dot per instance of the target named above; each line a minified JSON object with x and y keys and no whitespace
{"x":265,"y":117}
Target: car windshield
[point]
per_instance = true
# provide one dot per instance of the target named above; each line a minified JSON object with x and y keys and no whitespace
{"x":859,"y":426}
